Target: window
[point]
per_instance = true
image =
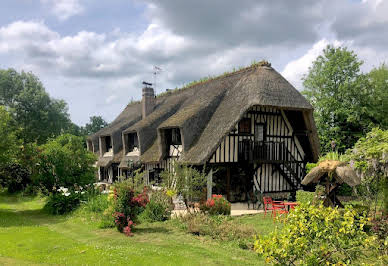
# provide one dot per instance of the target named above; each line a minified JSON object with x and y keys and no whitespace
{"x":173,"y":136}
{"x":133,"y":142}
{"x":259,"y":132}
{"x":106,"y":144}
{"x":176,"y":136}
{"x":244,"y":126}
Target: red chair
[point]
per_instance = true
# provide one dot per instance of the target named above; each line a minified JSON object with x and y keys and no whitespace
{"x":279,"y":207}
{"x":267,"y":201}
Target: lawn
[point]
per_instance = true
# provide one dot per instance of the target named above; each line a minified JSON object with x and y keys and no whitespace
{"x":30,"y":236}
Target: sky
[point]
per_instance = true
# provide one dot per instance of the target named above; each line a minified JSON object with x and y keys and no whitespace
{"x":96,"y":54}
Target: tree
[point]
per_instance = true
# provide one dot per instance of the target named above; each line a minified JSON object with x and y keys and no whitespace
{"x":9,"y":144}
{"x":96,"y":123}
{"x":378,"y":79}
{"x":342,"y":96}
{"x":65,"y":162}
{"x":370,"y":157}
{"x":38,"y":115}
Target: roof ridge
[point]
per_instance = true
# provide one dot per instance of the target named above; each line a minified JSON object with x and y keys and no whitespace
{"x":226,"y":74}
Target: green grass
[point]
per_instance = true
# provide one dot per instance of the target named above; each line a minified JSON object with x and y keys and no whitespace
{"x":30,"y":236}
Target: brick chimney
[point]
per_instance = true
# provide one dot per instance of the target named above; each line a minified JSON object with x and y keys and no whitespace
{"x":148,"y":101}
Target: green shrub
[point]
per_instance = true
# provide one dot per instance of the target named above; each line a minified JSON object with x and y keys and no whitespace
{"x":158,"y":209}
{"x":97,"y":203}
{"x":380,"y":229}
{"x":63,"y":202}
{"x":64,"y":161}
{"x":315,"y":236}
{"x":305,"y":197}
{"x":155,"y":212}
{"x":344,"y":190}
{"x":217,"y":227}
{"x":15,"y":177}
{"x":216,"y":205}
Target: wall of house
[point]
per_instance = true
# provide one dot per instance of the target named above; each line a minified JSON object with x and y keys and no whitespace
{"x":267,"y":177}
{"x":278,"y":129}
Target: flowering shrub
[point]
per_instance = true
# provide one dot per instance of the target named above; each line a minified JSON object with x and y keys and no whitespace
{"x":216,"y":205}
{"x":127,"y":205}
{"x":380,"y":229}
{"x":316,"y":236}
{"x":64,"y":200}
{"x":159,"y":208}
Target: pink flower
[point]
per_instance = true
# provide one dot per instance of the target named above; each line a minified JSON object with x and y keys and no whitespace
{"x":127,"y":231}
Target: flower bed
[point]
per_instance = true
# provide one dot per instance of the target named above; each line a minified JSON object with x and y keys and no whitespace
{"x":216,"y":205}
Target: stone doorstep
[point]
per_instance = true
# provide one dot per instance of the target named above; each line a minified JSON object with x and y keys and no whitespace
{"x":233,"y":212}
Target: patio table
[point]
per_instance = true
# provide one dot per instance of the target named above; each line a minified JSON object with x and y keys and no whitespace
{"x":290,"y":204}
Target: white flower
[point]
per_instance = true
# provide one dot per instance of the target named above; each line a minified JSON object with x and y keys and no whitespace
{"x":66,"y":194}
{"x":83,"y":192}
{"x":76,"y":191}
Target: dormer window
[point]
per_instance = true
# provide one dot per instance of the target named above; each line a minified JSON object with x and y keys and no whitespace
{"x":173,"y":142}
{"x":106,"y":146}
{"x":132,"y":142}
{"x":108,"y":143}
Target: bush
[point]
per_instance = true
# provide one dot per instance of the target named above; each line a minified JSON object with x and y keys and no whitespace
{"x":127,"y":205}
{"x":158,"y":209}
{"x":97,"y":203}
{"x":315,"y":236}
{"x":15,"y":177}
{"x":217,"y":227}
{"x":64,"y":201}
{"x":305,"y":197}
{"x":216,"y":205}
{"x":380,"y":229}
{"x":344,"y":190}
{"x":64,"y":161}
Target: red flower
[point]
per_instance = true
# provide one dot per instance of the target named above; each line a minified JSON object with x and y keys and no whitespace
{"x":127,"y":231}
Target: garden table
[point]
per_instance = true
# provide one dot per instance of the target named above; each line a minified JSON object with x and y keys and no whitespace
{"x":291,"y":205}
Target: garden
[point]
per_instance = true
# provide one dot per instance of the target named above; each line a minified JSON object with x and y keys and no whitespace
{"x":51,"y":211}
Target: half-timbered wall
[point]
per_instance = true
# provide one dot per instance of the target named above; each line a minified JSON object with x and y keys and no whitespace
{"x":278,"y":135}
{"x":278,"y":129}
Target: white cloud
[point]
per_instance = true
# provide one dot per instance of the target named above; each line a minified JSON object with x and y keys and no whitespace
{"x":64,"y":9}
{"x":188,"y":39}
{"x":295,"y":69}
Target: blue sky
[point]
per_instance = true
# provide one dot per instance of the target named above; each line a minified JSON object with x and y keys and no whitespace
{"x":95,"y":54}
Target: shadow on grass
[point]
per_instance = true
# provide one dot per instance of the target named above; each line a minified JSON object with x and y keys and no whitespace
{"x":12,"y":218}
{"x":148,"y":230}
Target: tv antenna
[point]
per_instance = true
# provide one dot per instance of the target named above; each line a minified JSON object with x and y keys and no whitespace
{"x":157,"y":71}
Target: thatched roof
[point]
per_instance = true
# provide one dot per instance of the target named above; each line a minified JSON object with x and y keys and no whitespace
{"x":207,"y":111}
{"x":348,"y":175}
{"x":342,"y":173}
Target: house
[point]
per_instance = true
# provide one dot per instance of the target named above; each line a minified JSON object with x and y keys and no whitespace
{"x":251,"y":125}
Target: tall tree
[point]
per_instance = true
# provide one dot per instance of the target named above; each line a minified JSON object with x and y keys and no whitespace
{"x":9,"y":144}
{"x":39,"y":116}
{"x":378,"y":79}
{"x":342,"y":97}
{"x":95,"y":124}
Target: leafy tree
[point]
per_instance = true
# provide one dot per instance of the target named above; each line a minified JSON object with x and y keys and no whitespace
{"x":370,"y":157}
{"x":65,"y":162}
{"x":96,"y":123}
{"x":39,"y":116}
{"x":9,"y":144}
{"x":378,"y":79}
{"x":342,"y":96}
